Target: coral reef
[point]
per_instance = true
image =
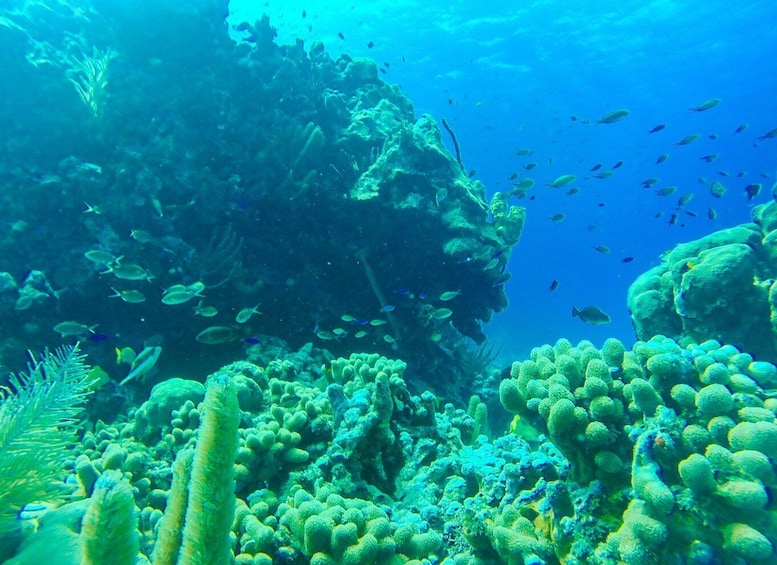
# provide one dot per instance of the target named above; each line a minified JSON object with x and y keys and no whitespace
{"x":718,"y":287}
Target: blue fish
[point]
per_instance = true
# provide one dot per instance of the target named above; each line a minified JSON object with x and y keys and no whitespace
{"x":360,"y":322}
{"x":388,"y":308}
{"x":98,"y":337}
{"x":402,"y":291}
{"x":251,"y":340}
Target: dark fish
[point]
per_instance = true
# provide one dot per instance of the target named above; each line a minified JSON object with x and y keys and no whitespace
{"x":768,"y":135}
{"x":501,"y":281}
{"x":662,"y":158}
{"x":659,"y":127}
{"x":712,"y":136}
{"x":340,"y":35}
{"x":573,"y":118}
{"x":752,"y":190}
{"x":559,"y":217}
{"x":472,"y":173}
{"x":591,"y":315}
{"x":709,"y":158}
{"x":370,"y":44}
{"x":513,"y":176}
{"x":382,"y":70}
{"x":498,"y":253}
{"x":741,"y":128}
{"x":360,"y":322}
{"x":402,"y":291}
{"x":618,"y":164}
{"x":627,"y":259}
{"x":596,"y":167}
{"x":688,"y":139}
{"x":553,"y":285}
{"x":98,"y":337}
{"x":672,"y":220}
{"x":706,"y":105}
{"x":691,"y":214}
{"x":723,"y":173}
{"x":602,"y":248}
{"x":529,"y":166}
{"x":304,"y":14}
{"x":253,"y":340}
{"x":711,"y":213}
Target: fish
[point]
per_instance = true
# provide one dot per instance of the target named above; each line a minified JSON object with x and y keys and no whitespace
{"x":768,"y":135}
{"x":717,"y":189}
{"x":360,"y":334}
{"x":450,"y":294}
{"x":741,"y":128}
{"x":706,"y":105}
{"x":553,"y":285}
{"x":340,"y":332}
{"x":591,"y":315}
{"x":205,"y":311}
{"x":572,"y":191}
{"x":511,"y":177}
{"x":559,"y":217}
{"x":441,"y":314}
{"x":143,"y":363}
{"x":672,"y":220}
{"x":402,"y":291}
{"x":709,"y":158}
{"x":245,"y":314}
{"x":618,"y":164}
{"x":627,"y":259}
{"x":657,"y":128}
{"x":388,"y":308}
{"x":472,"y":173}
{"x":662,"y":158}
{"x":612,"y":117}
{"x":724,"y":173}
{"x":214,"y":335}
{"x":688,"y":139}
{"x":125,"y":355}
{"x":711,"y":213}
{"x":389,"y":339}
{"x":752,"y":190}
{"x":340,"y":35}
{"x":491,"y":264}
{"x":647,"y":183}
{"x":370,"y":44}
{"x":347,"y":318}
{"x":127,"y":271}
{"x":523,"y":152}
{"x":377,"y":322}
{"x":562,"y":181}
{"x":100,"y":257}
{"x":666,"y":191}
{"x":440,"y":195}
{"x":684,"y":199}
{"x":325,"y":335}
{"x":129,"y":296}
{"x":178,"y":297}
{"x":73,"y":329}
{"x":529,"y":166}
{"x":141,"y":236}
{"x":524,"y":184}
{"x":596,"y":167}
{"x":602,"y":249}
{"x":251,"y":340}
{"x":90,"y":209}
{"x":604,"y":175}
{"x":435,"y":337}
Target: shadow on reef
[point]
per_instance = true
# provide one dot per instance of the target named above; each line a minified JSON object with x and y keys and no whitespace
{"x":269,"y":190}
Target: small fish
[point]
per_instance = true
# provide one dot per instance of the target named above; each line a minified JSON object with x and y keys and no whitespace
{"x":666,"y":191}
{"x":441,"y":314}
{"x":245,"y":314}
{"x":205,"y":311}
{"x":524,"y":184}
{"x":325,"y":335}
{"x":602,"y":249}
{"x":523,"y":152}
{"x":662,"y":158}
{"x":529,"y":166}
{"x":370,"y":44}
{"x":511,"y":177}
{"x":724,"y":173}
{"x":702,"y":180}
{"x":388,"y":308}
{"x":178,"y":297}
{"x":717,"y":189}
{"x":711,"y":213}
{"x":141,"y":236}
{"x":572,"y":191}
{"x":706,"y":105}
{"x":491,"y":264}
{"x":125,"y":355}
{"x":143,"y":363}
{"x":129,"y":296}
{"x":92,"y":209}
{"x":553,"y":285}
{"x":251,"y":340}
{"x":127,"y":271}
{"x":389,"y":339}
{"x":360,"y":334}
{"x":627,"y":259}
{"x":768,"y":135}
{"x":658,"y":128}
{"x":672,"y":220}
{"x":440,"y":195}
{"x":617,"y":165}
{"x":340,"y":35}
{"x":450,"y":295}
{"x":73,"y":329}
{"x":100,"y":257}
{"x":472,"y":173}
{"x":340,"y":332}
{"x":378,"y":322}
{"x":604,"y":175}
{"x":435,"y":337}
{"x":613,"y":117}
{"x":562,"y":181}
{"x":347,"y":318}
{"x":215,"y":335}
{"x":647,"y":183}
{"x":559,"y":217}
{"x":402,"y":291}
{"x":596,"y":167}
{"x":752,"y":190}
{"x":591,"y":315}
{"x":709,"y":158}
{"x":741,"y":128}
{"x":684,"y":199}
{"x":688,"y":139}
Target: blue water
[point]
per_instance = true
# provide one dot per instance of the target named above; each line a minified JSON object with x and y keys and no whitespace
{"x":510,"y":77}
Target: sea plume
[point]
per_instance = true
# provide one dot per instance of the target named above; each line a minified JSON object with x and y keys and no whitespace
{"x":38,"y":411}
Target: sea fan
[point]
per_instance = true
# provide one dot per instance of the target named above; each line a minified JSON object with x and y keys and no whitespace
{"x":37,"y":427}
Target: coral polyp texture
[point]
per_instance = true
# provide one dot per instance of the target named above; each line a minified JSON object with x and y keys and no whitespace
{"x":677,"y":443}
{"x":657,"y":454}
{"x":721,"y":286}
